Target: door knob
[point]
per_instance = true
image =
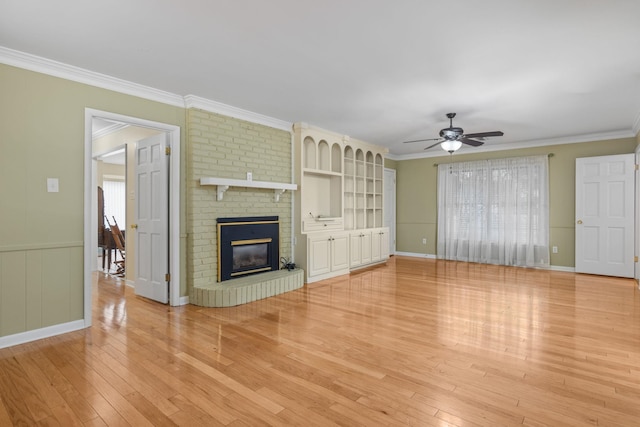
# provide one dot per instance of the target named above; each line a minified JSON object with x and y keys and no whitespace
{"x":134,"y":225}
{"x":579,"y":221}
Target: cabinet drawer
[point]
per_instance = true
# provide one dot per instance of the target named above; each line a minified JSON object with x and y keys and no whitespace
{"x":312,"y":225}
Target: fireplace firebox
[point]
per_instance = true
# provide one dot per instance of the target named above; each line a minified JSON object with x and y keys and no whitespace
{"x":247,"y":245}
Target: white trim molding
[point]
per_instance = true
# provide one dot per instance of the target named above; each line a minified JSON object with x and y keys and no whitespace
{"x":192,"y":101}
{"x":58,"y":69}
{"x":431,"y":256}
{"x":38,"y":334}
{"x":109,"y":130}
{"x":415,"y":255}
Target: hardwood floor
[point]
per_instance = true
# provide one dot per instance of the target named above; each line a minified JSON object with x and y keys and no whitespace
{"x":416,"y":342}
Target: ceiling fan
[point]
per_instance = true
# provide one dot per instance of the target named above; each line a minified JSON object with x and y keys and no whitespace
{"x":452,"y":138}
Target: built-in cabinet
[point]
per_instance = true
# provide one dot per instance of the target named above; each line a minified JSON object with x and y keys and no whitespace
{"x":380,"y":244}
{"x":361,"y":248}
{"x":339,"y":206}
{"x":363,"y":177}
{"x":328,"y":255}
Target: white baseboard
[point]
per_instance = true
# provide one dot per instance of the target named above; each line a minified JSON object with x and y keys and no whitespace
{"x":562,"y":268}
{"x":431,"y":256}
{"x":415,"y":255}
{"x":184,"y":300}
{"x":38,"y":334}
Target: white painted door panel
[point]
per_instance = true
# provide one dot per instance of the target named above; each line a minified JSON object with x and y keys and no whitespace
{"x":152,"y":219}
{"x":605,"y":215}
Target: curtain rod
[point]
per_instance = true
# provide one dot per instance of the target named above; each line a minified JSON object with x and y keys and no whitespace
{"x":548,"y":155}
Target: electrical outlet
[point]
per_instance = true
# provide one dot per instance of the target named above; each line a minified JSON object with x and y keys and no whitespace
{"x":424,"y":240}
{"x":554,"y":249}
{"x":249,"y":176}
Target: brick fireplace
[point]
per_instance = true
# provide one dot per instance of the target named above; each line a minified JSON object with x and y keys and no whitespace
{"x":226,"y":147}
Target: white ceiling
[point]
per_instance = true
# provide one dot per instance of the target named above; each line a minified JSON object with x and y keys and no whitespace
{"x":379,"y":71}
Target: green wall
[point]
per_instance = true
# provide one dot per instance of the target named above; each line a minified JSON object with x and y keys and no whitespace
{"x":41,"y":234}
{"x":416,"y":209}
{"x":390,"y":164}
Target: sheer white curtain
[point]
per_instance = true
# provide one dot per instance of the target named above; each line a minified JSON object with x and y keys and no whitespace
{"x":115,"y":201}
{"x":495,"y":211}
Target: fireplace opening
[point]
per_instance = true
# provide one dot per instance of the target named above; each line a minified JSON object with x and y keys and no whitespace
{"x":247,"y":246}
{"x":249,"y":254}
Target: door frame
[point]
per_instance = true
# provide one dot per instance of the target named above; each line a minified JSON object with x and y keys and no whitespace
{"x":393,"y":207}
{"x":90,"y":203}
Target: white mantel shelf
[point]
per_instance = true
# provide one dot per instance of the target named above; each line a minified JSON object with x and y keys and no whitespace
{"x":224,"y":184}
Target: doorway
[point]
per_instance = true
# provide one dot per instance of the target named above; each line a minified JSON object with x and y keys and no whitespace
{"x":112,"y":200}
{"x":90,"y":201}
{"x":605,"y":215}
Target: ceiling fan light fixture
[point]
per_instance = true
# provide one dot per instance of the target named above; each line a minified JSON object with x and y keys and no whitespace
{"x":451,"y":145}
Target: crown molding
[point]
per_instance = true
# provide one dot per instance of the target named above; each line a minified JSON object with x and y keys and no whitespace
{"x":193,"y":101}
{"x":58,"y":69}
{"x":525,"y":144}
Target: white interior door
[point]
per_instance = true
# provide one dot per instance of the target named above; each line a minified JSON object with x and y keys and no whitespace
{"x":605,"y":215}
{"x":390,"y":207}
{"x":152,"y":222}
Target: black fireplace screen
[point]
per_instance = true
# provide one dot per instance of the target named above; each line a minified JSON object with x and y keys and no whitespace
{"x":247,"y":246}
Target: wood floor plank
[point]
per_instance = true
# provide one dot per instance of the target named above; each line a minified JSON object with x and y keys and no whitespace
{"x":232,"y":384}
{"x":192,"y":415}
{"x":5,"y":418}
{"x":414,"y":342}
{"x":20,"y":396}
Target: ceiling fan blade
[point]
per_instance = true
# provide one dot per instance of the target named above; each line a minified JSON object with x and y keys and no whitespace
{"x":421,"y":140}
{"x":433,"y":145}
{"x":471,"y":142}
{"x":484,"y":134}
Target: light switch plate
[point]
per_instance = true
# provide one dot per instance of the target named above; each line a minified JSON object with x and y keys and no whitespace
{"x":53,"y":185}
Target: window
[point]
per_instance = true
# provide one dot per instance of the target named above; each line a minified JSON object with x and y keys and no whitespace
{"x":115,"y":201}
{"x":494,"y":211}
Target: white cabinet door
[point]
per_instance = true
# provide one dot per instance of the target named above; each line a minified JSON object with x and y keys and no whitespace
{"x":375,"y":246}
{"x":360,"y":248}
{"x":340,"y":252}
{"x":328,"y":253}
{"x":385,"y":245}
{"x":355,"y":250}
{"x":365,"y":241}
{"x":380,"y":244}
{"x":319,"y":255}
